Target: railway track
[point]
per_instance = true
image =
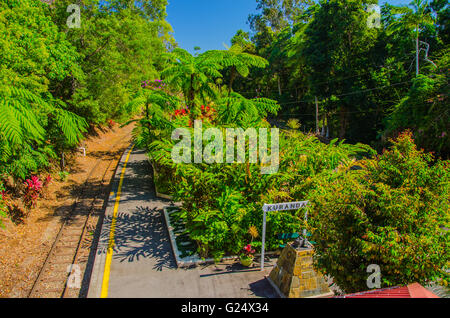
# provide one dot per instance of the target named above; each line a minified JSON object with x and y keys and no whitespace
{"x":62,"y":273}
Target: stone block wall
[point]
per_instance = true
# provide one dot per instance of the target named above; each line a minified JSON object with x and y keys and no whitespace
{"x":294,"y":275}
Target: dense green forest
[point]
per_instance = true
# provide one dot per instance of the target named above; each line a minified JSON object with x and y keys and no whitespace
{"x":383,"y":201}
{"x":362,"y":106}
{"x":58,"y":81}
{"x":363,"y":74}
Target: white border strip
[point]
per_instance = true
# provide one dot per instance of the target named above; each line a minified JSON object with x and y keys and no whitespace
{"x":155,"y":173}
{"x":195,"y":259}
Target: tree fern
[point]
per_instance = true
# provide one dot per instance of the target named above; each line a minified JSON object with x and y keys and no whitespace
{"x":26,"y":119}
{"x":239,"y":110}
{"x":17,"y":118}
{"x":72,"y":126}
{"x":239,"y":61}
{"x":192,"y":75}
{"x":156,"y":105}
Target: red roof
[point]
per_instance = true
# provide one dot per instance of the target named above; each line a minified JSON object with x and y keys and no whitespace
{"x":411,"y":291}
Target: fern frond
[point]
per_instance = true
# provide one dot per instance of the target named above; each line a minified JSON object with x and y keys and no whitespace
{"x":9,"y":125}
{"x":71,"y":125}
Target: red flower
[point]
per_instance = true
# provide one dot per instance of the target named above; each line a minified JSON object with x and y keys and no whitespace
{"x":34,"y":183}
{"x":248,"y":250}
{"x":182,"y":112}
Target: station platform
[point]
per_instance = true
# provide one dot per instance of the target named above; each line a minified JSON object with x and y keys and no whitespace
{"x":134,"y":258}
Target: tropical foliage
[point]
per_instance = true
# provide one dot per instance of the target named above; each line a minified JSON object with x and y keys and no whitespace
{"x":56,"y":82}
{"x":393,"y":213}
{"x":425,"y":110}
{"x":360,"y":71}
{"x":386,"y":209}
{"x":222,"y":200}
{"x":305,"y":65}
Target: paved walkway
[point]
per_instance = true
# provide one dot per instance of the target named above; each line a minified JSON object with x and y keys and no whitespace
{"x":142,"y":263}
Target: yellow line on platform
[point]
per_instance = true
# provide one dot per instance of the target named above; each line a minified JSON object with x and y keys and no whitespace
{"x":110,"y":250}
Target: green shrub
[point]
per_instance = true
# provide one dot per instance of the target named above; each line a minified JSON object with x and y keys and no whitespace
{"x":221,"y":201}
{"x":63,"y":175}
{"x":390,"y":213}
{"x":425,"y":110}
{"x":35,"y":56}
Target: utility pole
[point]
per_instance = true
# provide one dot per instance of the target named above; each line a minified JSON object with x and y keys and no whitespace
{"x":417,"y":50}
{"x":417,"y":56}
{"x":317,"y":116}
{"x":279,"y":84}
{"x":328,"y":126}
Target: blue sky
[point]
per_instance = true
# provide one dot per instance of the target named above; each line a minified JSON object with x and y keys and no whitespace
{"x":210,"y":23}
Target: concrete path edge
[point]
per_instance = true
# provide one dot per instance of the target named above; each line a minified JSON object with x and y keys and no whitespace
{"x":95,"y":285}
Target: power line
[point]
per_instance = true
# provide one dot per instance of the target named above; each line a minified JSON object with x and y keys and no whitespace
{"x":351,"y":93}
{"x":372,"y":89}
{"x":330,"y":81}
{"x":351,"y":112}
{"x":310,"y":114}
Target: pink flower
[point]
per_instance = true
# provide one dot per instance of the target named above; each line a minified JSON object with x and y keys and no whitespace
{"x":34,"y":183}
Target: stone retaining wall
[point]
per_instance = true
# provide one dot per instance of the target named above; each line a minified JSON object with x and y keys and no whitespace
{"x":295,"y":277}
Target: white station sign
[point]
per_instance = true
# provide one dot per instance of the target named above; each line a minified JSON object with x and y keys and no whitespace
{"x":274,"y":208}
{"x":285,"y":206}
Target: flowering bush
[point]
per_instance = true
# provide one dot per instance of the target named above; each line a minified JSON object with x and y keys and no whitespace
{"x":33,"y":188}
{"x":391,"y":213}
{"x":181,"y":112}
{"x":208,"y":113}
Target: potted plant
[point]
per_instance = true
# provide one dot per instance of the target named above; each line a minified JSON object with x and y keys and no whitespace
{"x":248,"y":252}
{"x":247,"y":255}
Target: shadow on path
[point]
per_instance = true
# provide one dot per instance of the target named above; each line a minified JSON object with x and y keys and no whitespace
{"x":141,"y":234}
